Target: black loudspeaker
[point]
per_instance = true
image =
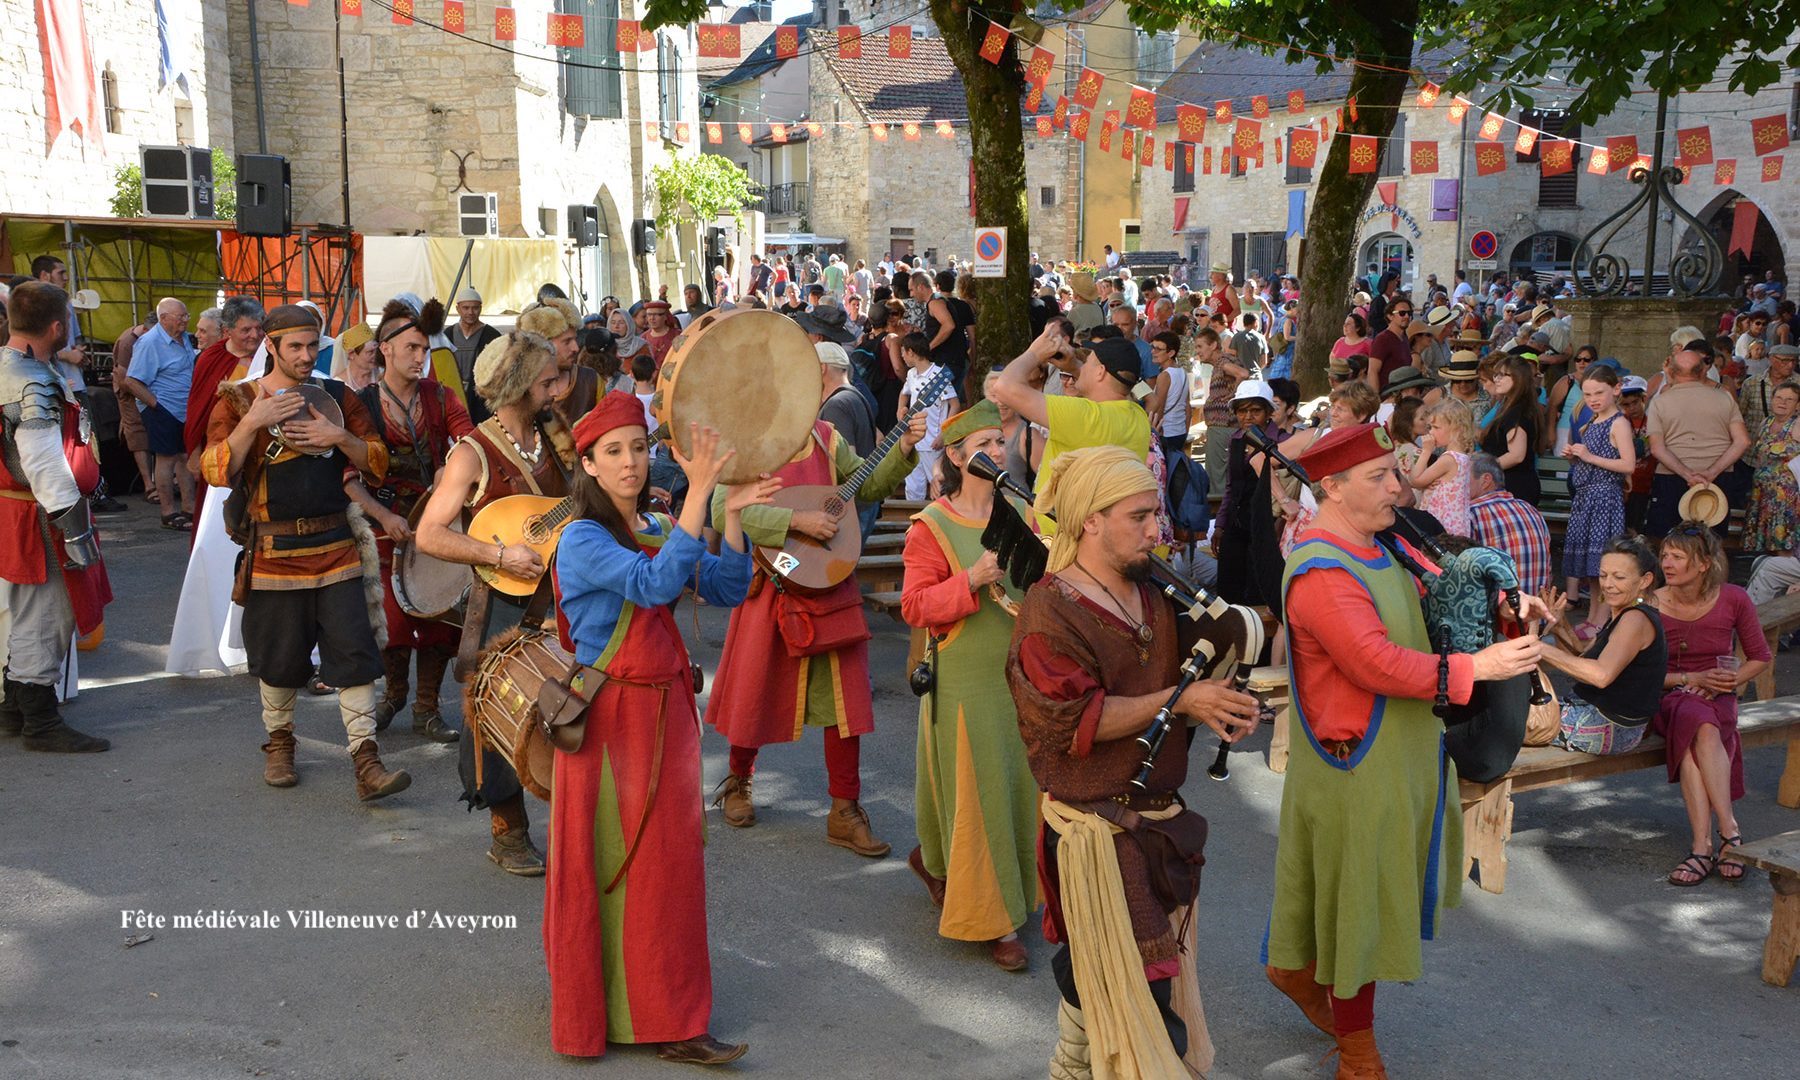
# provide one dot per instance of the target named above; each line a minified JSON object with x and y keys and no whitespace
{"x":265,"y":195}
{"x":178,"y":181}
{"x":643,"y":236}
{"x":584,"y":224}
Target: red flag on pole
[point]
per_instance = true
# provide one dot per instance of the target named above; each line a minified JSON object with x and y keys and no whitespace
{"x":1363,"y":153}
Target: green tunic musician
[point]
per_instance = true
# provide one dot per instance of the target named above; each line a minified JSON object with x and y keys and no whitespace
{"x":1370,"y":845}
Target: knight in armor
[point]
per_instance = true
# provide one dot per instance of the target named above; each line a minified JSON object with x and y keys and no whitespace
{"x":300,"y":577}
{"x":522,"y":449}
{"x":50,"y":555}
{"x":419,"y":420}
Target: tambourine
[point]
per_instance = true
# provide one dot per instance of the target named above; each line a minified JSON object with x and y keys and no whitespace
{"x":322,"y":403}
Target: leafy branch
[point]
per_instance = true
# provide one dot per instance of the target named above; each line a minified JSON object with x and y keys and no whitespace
{"x":695,"y":190}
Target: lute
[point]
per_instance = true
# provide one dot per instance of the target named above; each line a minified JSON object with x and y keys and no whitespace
{"x":812,"y":566}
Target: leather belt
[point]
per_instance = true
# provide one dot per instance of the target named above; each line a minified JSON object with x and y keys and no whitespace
{"x":302,"y":526}
{"x":21,"y":496}
{"x":1142,"y":800}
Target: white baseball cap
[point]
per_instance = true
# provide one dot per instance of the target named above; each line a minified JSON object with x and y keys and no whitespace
{"x":1253,"y":390}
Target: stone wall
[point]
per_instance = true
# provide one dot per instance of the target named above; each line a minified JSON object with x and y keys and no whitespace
{"x":73,"y":175}
{"x":1637,"y":331}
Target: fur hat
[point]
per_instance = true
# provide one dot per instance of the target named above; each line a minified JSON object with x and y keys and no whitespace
{"x":551,"y":319}
{"x":509,"y":365}
{"x":398,"y":317}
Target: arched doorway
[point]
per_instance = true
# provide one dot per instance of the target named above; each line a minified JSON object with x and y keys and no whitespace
{"x":607,"y":265}
{"x":1386,"y":252}
{"x":1543,"y":253}
{"x":1764,"y":254}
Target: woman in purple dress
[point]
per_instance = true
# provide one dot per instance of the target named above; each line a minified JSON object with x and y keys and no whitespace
{"x":1705,"y":621}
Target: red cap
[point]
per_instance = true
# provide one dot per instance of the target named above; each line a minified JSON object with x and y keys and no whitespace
{"x":657,"y":305}
{"x":1345,"y":448}
{"x":616,"y":410}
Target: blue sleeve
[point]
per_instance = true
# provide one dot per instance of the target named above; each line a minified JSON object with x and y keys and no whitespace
{"x":725,"y":577}
{"x":590,"y":559}
{"x":143,"y":366}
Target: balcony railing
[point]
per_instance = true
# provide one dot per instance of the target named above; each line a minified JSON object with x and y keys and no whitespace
{"x":785,"y":199}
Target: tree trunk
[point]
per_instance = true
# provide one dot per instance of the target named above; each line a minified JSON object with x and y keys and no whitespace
{"x":1003,"y":327}
{"x":1340,"y":196}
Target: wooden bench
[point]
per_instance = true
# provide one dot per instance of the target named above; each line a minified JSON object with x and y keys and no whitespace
{"x":1780,"y":856}
{"x":1488,"y":808}
{"x":900,"y":510}
{"x":1778,"y":616}
{"x":1270,"y":684}
{"x":880,"y":573}
{"x":1555,"y":495}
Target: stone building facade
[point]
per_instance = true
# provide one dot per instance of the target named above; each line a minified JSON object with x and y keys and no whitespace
{"x":71,"y":172}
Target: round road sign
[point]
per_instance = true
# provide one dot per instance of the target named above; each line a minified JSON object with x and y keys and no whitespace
{"x":1483,"y":244}
{"x":987,"y":244}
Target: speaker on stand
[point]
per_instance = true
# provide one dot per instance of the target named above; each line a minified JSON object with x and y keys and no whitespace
{"x":264,"y":195}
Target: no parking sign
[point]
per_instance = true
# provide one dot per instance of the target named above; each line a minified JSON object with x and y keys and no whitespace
{"x":990,"y":251}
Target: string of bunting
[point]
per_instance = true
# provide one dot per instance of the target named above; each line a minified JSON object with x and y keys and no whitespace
{"x":1133,"y":130}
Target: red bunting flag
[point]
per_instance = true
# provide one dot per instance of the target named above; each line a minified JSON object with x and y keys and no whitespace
{"x":1225,"y":166}
{"x":567,"y":31}
{"x":1112,"y":117}
{"x":1190,"y":123}
{"x":1725,"y":172}
{"x":683,"y":133}
{"x":946,"y":129}
{"x":1181,"y":209}
{"x":1458,"y":109}
{"x":1078,"y":127}
{"x":506,"y":24}
{"x":1034,"y":99}
{"x":813,"y":128}
{"x":1556,"y":156}
{"x":1490,"y":127}
{"x":299,"y":3}
{"x":1598,"y":162}
{"x":1129,"y":150}
{"x":1340,"y":119}
{"x":1060,"y":115}
{"x":1621,"y":152}
{"x":1222,"y":110}
{"x":1087,"y":88}
{"x":1769,"y":134}
{"x":899,"y":42}
{"x":1771,"y":168}
{"x":1693,"y":146}
{"x":880,"y":132}
{"x":1141,"y":113}
{"x":778,"y":132}
{"x":1259,"y":106}
{"x":1168,"y":157}
{"x":1303,"y":147}
{"x":731,"y":41}
{"x":1489,"y":158}
{"x":453,"y":16}
{"x":910,"y":131}
{"x":993,"y":46}
{"x":403,"y":12}
{"x":1038,"y":72}
{"x":1206,"y":161}
{"x":352,"y":8}
{"x":715,"y":134}
{"x":746,"y":134}
{"x":1147,"y":151}
{"x":1351,"y":105}
{"x":1043,"y":126}
{"x":1424,"y":157}
{"x":1106,"y":133}
{"x":1187,"y":155}
{"x":1363,"y":153}
{"x":1246,"y":140}
{"x":625,"y":35}
{"x":706,"y":39}
{"x":1296,"y":101}
{"x":1428,"y":95}
{"x":787,"y":42}
{"x":849,"y":43}
{"x":1527,"y":139}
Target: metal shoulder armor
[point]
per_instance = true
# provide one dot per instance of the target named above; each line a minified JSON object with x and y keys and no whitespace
{"x":30,"y":389}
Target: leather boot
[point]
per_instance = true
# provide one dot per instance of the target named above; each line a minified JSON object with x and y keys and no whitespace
{"x":373,"y":781}
{"x":278,"y":768}
{"x":512,"y":849}
{"x":1070,"y":1060}
{"x":1314,"y":1000}
{"x":428,"y":721}
{"x":394,"y":664}
{"x":43,"y":726}
{"x":12,"y":717}
{"x":934,"y":886}
{"x":733,"y":801}
{"x":1357,"y":1057}
{"x":848,"y":827}
{"x":702,"y":1050}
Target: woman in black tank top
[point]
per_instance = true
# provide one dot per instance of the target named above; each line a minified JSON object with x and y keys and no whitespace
{"x":1619,"y":678}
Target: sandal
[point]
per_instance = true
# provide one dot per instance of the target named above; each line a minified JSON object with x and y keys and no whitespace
{"x":177,"y":522}
{"x":1730,"y":871}
{"x":1698,"y":866}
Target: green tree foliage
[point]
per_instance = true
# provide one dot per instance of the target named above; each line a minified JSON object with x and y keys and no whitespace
{"x":128,"y":189}
{"x":695,"y":190}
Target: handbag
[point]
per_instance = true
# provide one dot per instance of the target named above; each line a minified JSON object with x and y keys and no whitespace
{"x":562,"y":705}
{"x":1544,"y":722}
{"x":1174,"y":849}
{"x":811,"y":625}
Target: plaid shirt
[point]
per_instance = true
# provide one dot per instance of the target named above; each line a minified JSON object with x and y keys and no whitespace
{"x":1512,"y":525}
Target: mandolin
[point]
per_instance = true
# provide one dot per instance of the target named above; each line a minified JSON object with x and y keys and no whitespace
{"x":810,"y":566}
{"x":534,"y":521}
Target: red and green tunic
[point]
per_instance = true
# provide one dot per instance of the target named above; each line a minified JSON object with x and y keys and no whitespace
{"x":976,"y":802}
{"x":761,"y":694}
{"x":625,"y":896}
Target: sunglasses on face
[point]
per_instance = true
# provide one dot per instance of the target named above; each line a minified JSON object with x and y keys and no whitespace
{"x":1400,"y":313}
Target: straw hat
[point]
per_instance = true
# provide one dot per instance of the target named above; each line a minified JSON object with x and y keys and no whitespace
{"x":1704,"y":503}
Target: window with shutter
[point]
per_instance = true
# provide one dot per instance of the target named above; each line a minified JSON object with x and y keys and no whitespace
{"x":1552,"y":190}
{"x":1184,"y":176}
{"x":1393,"y":149}
{"x":590,"y":74}
{"x":1238,"y":242}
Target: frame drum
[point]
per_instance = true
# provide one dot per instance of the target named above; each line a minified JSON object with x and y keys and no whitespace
{"x":430,"y":588}
{"x":750,"y":374}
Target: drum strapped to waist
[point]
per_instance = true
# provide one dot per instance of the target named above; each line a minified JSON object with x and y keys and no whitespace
{"x":752,"y":376}
{"x":427,"y":587}
{"x":528,"y":699}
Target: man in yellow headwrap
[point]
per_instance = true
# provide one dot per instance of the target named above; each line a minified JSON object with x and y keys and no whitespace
{"x":1097,"y":651}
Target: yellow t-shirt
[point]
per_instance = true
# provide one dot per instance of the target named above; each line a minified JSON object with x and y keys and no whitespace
{"x":1076,"y":423}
